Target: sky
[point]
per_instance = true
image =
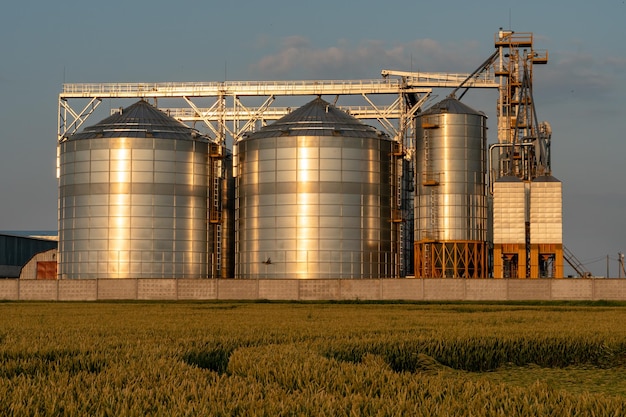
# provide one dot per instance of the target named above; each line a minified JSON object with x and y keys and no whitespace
{"x":580,"y":92}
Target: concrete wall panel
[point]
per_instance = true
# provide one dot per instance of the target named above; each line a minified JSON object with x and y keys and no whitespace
{"x":197,"y":289}
{"x":279,"y":289}
{"x":320,"y":289}
{"x":579,"y":289}
{"x":44,"y":290}
{"x":529,"y":289}
{"x":117,"y":289}
{"x":360,"y":289}
{"x":237,"y":289}
{"x":444,"y":289}
{"x":402,"y":289}
{"x":328,"y":289}
{"x":156,"y":289}
{"x":9,"y":289}
{"x":610,"y":289}
{"x":485,"y":289}
{"x":78,"y":290}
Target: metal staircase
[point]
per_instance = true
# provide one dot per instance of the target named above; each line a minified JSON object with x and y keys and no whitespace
{"x":575,"y":263}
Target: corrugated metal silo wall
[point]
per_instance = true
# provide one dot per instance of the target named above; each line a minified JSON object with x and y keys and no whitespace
{"x":133,"y":208}
{"x":315,"y":207}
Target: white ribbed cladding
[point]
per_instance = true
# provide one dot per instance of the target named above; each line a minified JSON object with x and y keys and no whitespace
{"x":509,"y":211}
{"x":314,"y":192}
{"x":133,"y":199}
{"x":546,"y":211}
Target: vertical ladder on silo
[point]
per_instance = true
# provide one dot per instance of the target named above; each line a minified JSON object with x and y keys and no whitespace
{"x":396,"y":199}
{"x":434,"y":214}
{"x":432,"y":234}
{"x":431,"y":181}
{"x":218,"y":250}
{"x":426,"y":261}
{"x":217,"y":209}
{"x":215,"y":204}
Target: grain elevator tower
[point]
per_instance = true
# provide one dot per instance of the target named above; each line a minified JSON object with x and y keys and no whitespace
{"x":527,"y":199}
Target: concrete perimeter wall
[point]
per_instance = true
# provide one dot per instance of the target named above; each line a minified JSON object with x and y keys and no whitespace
{"x":338,"y":289}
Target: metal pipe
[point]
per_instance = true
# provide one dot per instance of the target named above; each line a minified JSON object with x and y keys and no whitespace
{"x":490,"y":159}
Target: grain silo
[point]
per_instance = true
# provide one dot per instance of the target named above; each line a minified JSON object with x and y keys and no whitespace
{"x":450,"y":199}
{"x":133,"y":195}
{"x":314,"y":198}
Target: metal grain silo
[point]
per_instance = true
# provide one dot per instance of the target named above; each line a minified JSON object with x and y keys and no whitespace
{"x":133,"y":198}
{"x":314,"y":198}
{"x":450,"y":199}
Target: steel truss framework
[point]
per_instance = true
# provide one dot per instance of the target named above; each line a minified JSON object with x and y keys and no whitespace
{"x":392,"y":100}
{"x":455,"y":259}
{"x":524,"y":143}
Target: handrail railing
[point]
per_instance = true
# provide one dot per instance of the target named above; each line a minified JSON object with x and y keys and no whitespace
{"x":372,"y":86}
{"x":575,"y":263}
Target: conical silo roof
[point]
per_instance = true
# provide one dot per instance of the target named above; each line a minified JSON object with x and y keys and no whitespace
{"x":138,"y":120}
{"x":318,"y":118}
{"x":451,"y":105}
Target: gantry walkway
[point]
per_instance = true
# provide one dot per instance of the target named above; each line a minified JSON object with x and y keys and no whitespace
{"x":229,"y":115}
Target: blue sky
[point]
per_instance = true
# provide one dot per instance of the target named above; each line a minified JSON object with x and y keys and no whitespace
{"x":580,"y":92}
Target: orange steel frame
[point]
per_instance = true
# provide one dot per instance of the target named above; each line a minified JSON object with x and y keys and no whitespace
{"x":509,"y":260}
{"x":454,"y":259}
{"x":552,"y":255}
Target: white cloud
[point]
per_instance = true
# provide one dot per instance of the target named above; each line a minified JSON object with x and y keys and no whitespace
{"x":297,"y":57}
{"x":579,"y":76}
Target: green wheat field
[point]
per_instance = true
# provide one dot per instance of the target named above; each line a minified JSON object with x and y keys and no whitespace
{"x":312,"y":359}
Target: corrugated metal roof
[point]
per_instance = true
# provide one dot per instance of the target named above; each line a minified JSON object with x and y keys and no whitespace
{"x":139,"y":120}
{"x":453,"y":106}
{"x":318,"y":118}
